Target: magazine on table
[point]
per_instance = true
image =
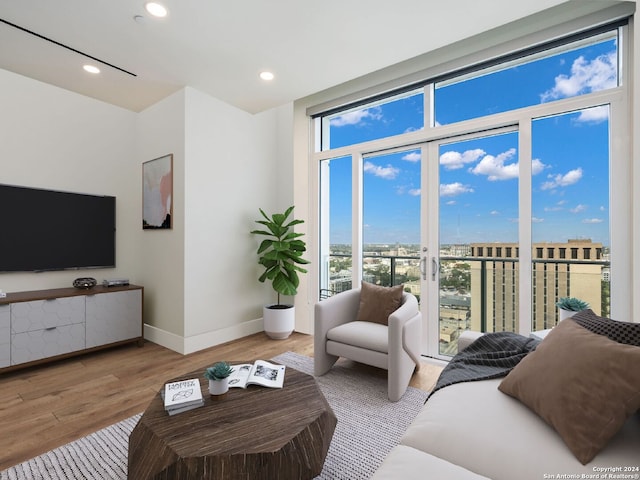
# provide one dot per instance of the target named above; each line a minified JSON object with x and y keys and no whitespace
{"x":182,"y":395}
{"x":259,"y":373}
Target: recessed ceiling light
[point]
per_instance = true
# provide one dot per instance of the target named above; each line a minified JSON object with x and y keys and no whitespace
{"x":266,"y":76}
{"x":156,"y":9}
{"x":91,"y":69}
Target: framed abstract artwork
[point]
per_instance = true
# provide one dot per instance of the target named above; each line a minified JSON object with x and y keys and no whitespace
{"x":157,"y":193}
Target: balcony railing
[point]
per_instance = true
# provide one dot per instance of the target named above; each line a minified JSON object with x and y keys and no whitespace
{"x":481,"y":293}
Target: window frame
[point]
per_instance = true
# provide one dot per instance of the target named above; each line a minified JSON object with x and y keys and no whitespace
{"x":620,"y":157}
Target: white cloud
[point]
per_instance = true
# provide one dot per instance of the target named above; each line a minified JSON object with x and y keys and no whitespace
{"x":594,"y":115}
{"x":537,"y":166}
{"x":592,"y":220}
{"x":451,"y":202}
{"x":586,"y":76}
{"x":537,"y":220}
{"x":412,"y":157}
{"x":494,"y":212}
{"x":455,"y":160}
{"x":497,"y":168}
{"x":356,"y":117}
{"x":578,"y":208}
{"x":414,"y":192}
{"x":388,"y":172}
{"x":559,"y":180}
{"x":556,"y":208}
{"x":453,"y":189}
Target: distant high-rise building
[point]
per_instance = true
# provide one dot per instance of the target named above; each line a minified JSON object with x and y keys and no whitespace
{"x":570,"y":269}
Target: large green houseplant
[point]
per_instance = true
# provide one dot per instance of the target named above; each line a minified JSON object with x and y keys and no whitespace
{"x":280,"y":253}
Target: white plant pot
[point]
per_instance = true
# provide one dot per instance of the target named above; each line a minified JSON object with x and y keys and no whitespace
{"x":562,"y":313}
{"x":219,"y":387}
{"x":279,"y":322}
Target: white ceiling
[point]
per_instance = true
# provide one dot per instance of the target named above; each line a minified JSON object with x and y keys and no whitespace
{"x":220,"y":47}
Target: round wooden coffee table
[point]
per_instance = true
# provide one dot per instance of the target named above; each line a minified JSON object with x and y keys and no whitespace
{"x":256,"y":432}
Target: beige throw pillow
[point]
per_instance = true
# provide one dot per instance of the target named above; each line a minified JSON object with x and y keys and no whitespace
{"x":377,"y":303}
{"x":582,"y":384}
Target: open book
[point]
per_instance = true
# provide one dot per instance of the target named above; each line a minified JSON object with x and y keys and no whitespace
{"x":260,"y":373}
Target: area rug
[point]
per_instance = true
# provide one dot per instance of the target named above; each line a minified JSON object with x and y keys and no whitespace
{"x":369,"y":426}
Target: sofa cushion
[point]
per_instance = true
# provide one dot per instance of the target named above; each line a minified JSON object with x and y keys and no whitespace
{"x":477,"y":427}
{"x":377,"y":303}
{"x":408,"y":463}
{"x":582,"y":384}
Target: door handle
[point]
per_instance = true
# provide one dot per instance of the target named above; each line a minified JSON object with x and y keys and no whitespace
{"x":423,"y":267}
{"x":434,"y":268}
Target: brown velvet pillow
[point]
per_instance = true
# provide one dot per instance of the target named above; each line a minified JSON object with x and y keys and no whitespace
{"x":377,"y":303}
{"x":582,"y":384}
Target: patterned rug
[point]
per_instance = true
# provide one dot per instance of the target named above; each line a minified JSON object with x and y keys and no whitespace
{"x":369,"y":426}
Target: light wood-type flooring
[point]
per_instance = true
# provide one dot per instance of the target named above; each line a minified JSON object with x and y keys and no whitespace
{"x":47,"y":406}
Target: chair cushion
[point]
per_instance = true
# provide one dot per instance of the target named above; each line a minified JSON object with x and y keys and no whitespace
{"x":368,"y":335}
{"x":582,"y":384}
{"x":377,"y":303}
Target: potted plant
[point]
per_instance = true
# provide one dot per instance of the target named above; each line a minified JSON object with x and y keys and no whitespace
{"x":280,"y":253}
{"x":218,"y":376}
{"x":568,"y":306}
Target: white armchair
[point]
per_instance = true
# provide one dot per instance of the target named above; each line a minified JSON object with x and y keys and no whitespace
{"x":395,"y":347}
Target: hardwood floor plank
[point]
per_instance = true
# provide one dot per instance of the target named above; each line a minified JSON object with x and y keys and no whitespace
{"x":53,"y":404}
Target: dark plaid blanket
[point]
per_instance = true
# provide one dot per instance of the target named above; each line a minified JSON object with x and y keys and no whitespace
{"x":492,"y":355}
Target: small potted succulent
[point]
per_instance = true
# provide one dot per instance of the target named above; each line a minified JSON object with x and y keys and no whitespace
{"x":218,"y":376}
{"x":568,"y":306}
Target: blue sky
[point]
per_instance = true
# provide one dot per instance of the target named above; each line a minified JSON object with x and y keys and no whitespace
{"x":478,"y":179}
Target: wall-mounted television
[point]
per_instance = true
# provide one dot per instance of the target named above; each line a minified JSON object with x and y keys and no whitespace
{"x":43,"y":230}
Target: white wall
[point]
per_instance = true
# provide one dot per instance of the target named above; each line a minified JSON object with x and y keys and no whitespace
{"x":231,"y":170}
{"x":200,"y":277}
{"x":160,"y":131}
{"x":52,"y":138}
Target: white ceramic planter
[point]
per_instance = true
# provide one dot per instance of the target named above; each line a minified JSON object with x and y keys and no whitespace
{"x":279,"y":322}
{"x":562,"y":313}
{"x":219,"y":387}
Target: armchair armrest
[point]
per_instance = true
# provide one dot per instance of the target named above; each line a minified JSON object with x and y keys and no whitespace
{"x":330,"y":313}
{"x":405,"y":328}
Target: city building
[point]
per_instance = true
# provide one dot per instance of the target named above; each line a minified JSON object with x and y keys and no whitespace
{"x":572,"y":269}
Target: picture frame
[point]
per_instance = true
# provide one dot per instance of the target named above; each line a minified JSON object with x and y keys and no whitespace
{"x":157,"y":193}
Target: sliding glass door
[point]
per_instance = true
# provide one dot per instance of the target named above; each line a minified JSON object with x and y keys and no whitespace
{"x":471,"y":272}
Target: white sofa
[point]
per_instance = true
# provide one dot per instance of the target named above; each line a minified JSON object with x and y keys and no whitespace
{"x":473,"y":431}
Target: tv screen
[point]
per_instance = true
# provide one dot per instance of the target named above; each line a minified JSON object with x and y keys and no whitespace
{"x":51,"y":230}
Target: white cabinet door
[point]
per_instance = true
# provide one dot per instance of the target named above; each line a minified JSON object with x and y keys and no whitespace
{"x":5,"y":335}
{"x":112,"y":317}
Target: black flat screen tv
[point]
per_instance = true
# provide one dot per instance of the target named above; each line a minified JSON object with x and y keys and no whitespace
{"x":43,"y":230}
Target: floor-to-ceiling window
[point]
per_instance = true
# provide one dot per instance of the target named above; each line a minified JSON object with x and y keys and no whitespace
{"x":486,"y":192}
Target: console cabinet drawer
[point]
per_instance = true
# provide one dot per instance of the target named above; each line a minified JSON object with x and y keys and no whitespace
{"x":43,"y":314}
{"x":37,"y":344}
{"x":5,"y":336}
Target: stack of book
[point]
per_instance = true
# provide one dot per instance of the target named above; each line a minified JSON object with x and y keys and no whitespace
{"x":182,"y":396}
